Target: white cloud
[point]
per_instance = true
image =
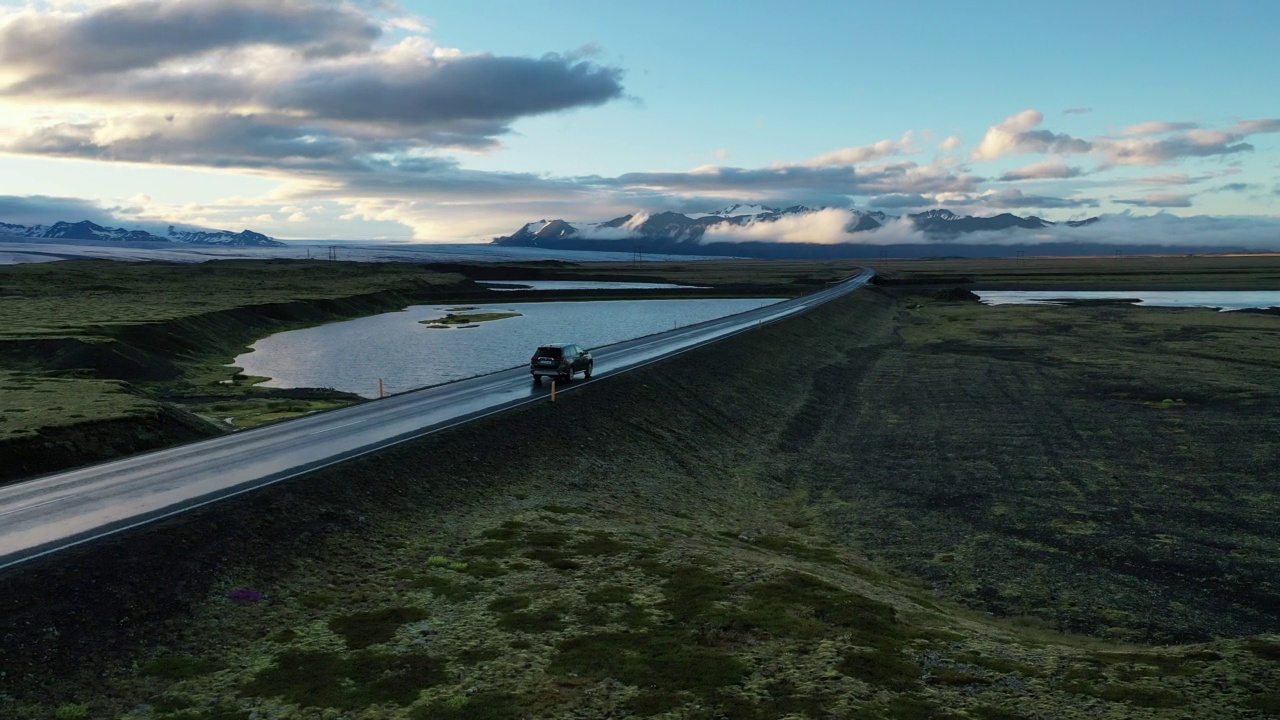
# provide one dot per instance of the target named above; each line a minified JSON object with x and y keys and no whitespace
{"x":1013,"y":198}
{"x":627,"y":230}
{"x":822,"y":226}
{"x":1180,"y":178}
{"x":1158,"y":128}
{"x":1046,"y":170}
{"x":1151,"y":151}
{"x":1016,"y":134}
{"x":862,"y":153}
{"x":951,"y":143}
{"x":1160,"y":200}
{"x":1261,"y":125}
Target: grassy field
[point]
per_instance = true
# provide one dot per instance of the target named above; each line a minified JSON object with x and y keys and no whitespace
{"x":954,"y":511}
{"x":765,"y":277}
{"x":1083,"y":465}
{"x":1193,"y":272}
{"x":74,"y":333}
{"x":89,"y":298}
{"x":459,"y":316}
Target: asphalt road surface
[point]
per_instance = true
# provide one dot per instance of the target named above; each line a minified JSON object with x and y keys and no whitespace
{"x":49,"y":513}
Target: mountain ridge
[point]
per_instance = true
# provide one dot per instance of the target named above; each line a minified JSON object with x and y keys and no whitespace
{"x":931,"y":233}
{"x":671,"y":229}
{"x":91,"y":231}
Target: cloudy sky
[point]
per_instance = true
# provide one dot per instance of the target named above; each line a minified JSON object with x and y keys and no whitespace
{"x":459,"y":121}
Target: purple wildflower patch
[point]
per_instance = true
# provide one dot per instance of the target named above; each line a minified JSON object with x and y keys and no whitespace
{"x":245,"y":596}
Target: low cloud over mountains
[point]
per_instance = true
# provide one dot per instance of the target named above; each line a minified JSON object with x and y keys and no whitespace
{"x":830,"y":232}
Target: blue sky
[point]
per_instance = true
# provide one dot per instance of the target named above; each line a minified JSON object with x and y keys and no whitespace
{"x":460,"y":121}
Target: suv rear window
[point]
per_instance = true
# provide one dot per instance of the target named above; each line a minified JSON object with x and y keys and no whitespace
{"x":551,"y":352}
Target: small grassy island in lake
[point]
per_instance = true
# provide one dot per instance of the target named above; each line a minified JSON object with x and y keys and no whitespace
{"x":456,"y":317}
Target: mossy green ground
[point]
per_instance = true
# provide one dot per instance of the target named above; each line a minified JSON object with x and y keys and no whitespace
{"x":33,"y":401}
{"x":84,"y":342}
{"x":1174,"y":272}
{"x":725,"y":540}
{"x":87,"y":297}
{"x":467,"y":318}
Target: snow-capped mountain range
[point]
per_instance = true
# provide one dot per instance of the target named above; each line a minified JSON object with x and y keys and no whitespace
{"x":93,"y":232}
{"x":676,"y":228}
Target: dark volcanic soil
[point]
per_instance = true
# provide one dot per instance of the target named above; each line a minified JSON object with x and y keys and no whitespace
{"x":688,"y":538}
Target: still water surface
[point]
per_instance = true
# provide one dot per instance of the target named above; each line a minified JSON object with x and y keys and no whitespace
{"x":578,"y":285}
{"x":1222,"y":300}
{"x":406,"y":354}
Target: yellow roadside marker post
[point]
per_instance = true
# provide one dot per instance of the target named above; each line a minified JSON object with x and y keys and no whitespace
{"x":553,"y":389}
{"x":381,"y":391}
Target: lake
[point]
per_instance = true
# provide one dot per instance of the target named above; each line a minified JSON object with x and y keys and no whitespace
{"x":352,"y":355}
{"x":1221,"y":300}
{"x":581,"y":285}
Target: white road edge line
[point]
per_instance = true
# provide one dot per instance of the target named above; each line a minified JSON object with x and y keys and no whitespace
{"x":337,"y":427}
{"x":32,"y":507}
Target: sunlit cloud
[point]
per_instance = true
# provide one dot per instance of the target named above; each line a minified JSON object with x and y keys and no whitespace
{"x":1016,"y":135}
{"x":864,"y":153}
{"x":1152,"y":152}
{"x":1013,"y":198}
{"x":1180,"y":178}
{"x":823,"y":226}
{"x":304,"y":76}
{"x":1158,"y":128}
{"x":1160,"y":200}
{"x":1046,"y":170}
{"x":135,"y":35}
{"x":1260,"y":125}
{"x":894,"y":201}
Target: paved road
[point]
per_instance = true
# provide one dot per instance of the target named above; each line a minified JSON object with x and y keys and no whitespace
{"x":46,"y":514}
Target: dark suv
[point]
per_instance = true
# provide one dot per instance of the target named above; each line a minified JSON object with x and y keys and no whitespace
{"x":560,"y":360}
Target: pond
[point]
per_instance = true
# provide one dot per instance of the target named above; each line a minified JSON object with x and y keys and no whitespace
{"x":405,"y":354}
{"x":1221,"y":300}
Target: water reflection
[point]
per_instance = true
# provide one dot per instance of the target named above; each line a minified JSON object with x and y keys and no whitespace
{"x":1222,"y":300}
{"x":406,"y":354}
{"x":501,"y":285}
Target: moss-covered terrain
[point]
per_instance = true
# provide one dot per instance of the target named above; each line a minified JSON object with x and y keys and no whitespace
{"x":1173,"y":272}
{"x":465,"y":317}
{"x":102,"y":358}
{"x":952,"y":511}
